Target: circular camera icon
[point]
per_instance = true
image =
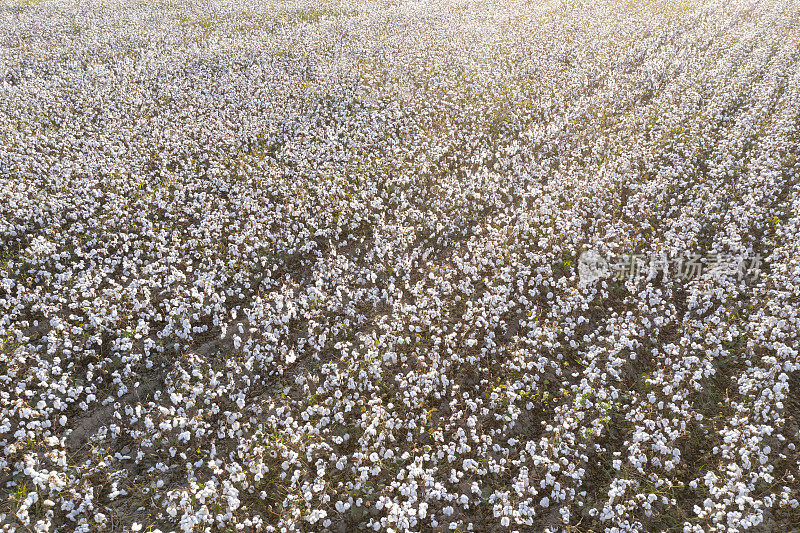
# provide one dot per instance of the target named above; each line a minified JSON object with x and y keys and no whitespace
{"x":592,"y":266}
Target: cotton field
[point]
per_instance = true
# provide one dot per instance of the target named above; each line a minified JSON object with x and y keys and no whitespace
{"x":395,"y":265}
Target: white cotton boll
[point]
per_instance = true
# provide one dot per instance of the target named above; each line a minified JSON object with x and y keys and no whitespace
{"x":545,"y":502}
